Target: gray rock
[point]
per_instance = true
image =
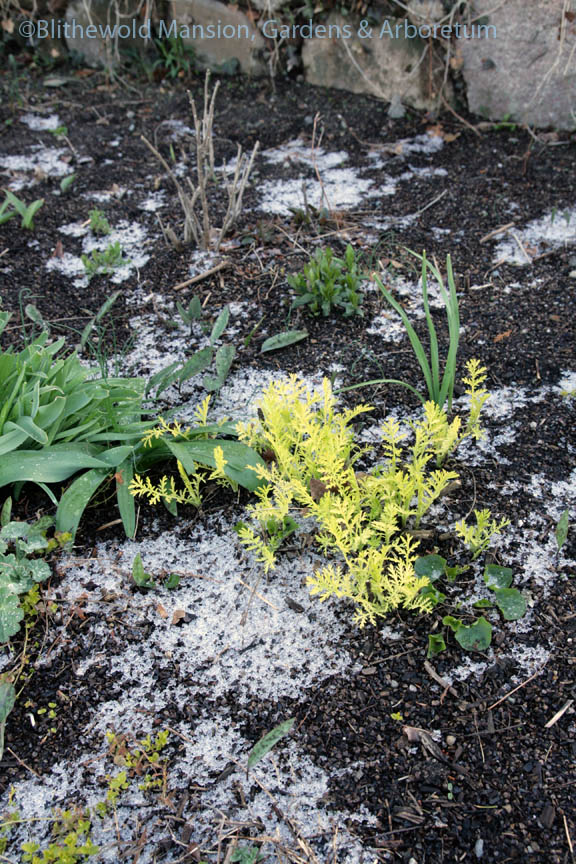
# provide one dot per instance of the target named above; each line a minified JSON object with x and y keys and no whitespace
{"x":100,"y":50}
{"x":528,"y":71}
{"x":425,"y":11}
{"x":269,"y":6}
{"x":235,"y":36}
{"x":390,"y":67}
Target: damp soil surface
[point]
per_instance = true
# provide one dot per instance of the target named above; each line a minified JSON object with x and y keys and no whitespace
{"x":460,"y":757}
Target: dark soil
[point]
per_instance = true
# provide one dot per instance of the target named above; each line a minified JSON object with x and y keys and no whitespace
{"x":504,"y":790}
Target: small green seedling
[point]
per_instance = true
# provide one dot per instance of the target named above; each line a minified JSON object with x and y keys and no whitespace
{"x":172,"y":581}
{"x":99,"y":223}
{"x":436,"y":644}
{"x":7,"y":700}
{"x":191,"y":313}
{"x":25,"y":211}
{"x":104,"y":262}
{"x":247,"y":855}
{"x":6,"y":213}
{"x":144,"y":580}
{"x":176,"y":58}
{"x":328,"y":282}
{"x":140,"y":578}
{"x":436,"y":567}
{"x":562,"y":529}
{"x":265,"y":744}
{"x":19,"y":571}
{"x":67,"y":182}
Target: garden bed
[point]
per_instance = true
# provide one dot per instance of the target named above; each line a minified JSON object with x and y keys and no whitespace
{"x":393,"y":756}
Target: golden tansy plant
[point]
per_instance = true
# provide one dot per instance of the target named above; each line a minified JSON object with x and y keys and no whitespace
{"x":310,"y":455}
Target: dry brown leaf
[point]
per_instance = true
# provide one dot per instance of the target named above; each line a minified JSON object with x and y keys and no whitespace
{"x":178,"y":615}
{"x":161,"y":610}
{"x":502,"y":336}
{"x":317,"y":489}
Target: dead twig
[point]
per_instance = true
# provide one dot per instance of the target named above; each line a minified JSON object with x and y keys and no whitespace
{"x":201,"y":276}
{"x":496,"y":231}
{"x":21,"y":762}
{"x":438,"y":678}
{"x":523,"y":684}
{"x":568,"y":838}
{"x":558,"y":714}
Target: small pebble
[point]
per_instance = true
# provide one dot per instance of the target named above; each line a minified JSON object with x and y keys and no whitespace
{"x":479,"y":847}
{"x":572,"y":274}
{"x":450,"y":740}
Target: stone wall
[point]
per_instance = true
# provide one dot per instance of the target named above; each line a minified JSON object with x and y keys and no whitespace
{"x":510,"y":59}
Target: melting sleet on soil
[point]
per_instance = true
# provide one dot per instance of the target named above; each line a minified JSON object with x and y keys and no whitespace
{"x":392,"y":756}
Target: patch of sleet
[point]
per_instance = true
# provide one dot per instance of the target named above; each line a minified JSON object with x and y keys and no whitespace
{"x":38,"y":123}
{"x":340,"y":187}
{"x":107,"y":194}
{"x":425,"y":171}
{"x":298,"y":788}
{"x":567,"y":383}
{"x":155,"y":347}
{"x":503,"y":402}
{"x":272,"y":652}
{"x":238,"y":397}
{"x":298,"y":151}
{"x":254,"y":654}
{"x":132,"y":238}
{"x":529,"y":660}
{"x":500,"y":407}
{"x":177,"y":129}
{"x":553,"y":231}
{"x":155,"y":201}
{"x":289,"y":775}
{"x":467,"y":668}
{"x":43,"y":161}
{"x":387,"y":634}
{"x":427,"y":143}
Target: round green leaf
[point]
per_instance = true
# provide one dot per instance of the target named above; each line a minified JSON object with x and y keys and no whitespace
{"x":477,"y":637}
{"x":497,"y":577}
{"x":511,"y":603}
{"x":431,"y":566}
{"x":10,"y":614}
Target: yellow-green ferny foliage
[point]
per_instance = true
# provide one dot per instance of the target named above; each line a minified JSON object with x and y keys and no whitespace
{"x":311,"y":455}
{"x":166,"y":489}
{"x":478,"y":536}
